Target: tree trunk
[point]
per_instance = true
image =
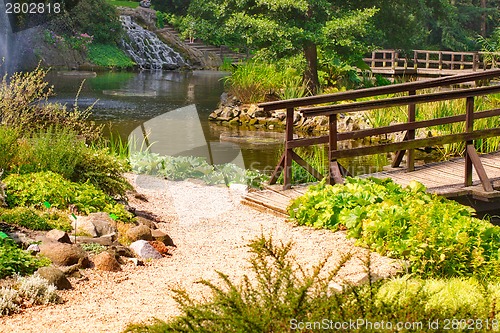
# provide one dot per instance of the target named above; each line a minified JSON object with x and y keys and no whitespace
{"x":311,"y":74}
{"x":483,"y":18}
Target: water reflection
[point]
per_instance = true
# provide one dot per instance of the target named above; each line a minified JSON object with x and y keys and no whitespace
{"x":173,"y":108}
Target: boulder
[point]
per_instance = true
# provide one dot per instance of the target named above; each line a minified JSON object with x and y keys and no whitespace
{"x":96,"y":224}
{"x":144,"y":250}
{"x":159,"y":235}
{"x":63,"y":254}
{"x":147,"y":222}
{"x":84,"y":227}
{"x":58,"y":236}
{"x":106,"y":261}
{"x":55,"y":276}
{"x":140,"y":232}
{"x":105,"y":240}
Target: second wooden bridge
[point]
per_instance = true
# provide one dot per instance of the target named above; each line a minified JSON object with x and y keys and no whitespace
{"x":454,"y":178}
{"x":431,"y":63}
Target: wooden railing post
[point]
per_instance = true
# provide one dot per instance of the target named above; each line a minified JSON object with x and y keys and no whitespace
{"x":410,"y":159}
{"x":469,"y":127}
{"x":287,"y":176}
{"x":334,"y":168}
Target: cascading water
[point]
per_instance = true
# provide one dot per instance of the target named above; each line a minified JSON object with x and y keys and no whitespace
{"x":5,"y":39}
{"x":147,"y":50}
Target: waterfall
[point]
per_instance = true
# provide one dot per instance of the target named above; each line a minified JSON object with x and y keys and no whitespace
{"x":5,"y":39}
{"x":147,"y":50}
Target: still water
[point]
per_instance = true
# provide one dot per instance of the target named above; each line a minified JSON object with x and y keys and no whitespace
{"x":168,"y":111}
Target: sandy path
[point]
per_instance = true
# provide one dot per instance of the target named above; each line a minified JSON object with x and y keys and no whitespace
{"x":211,"y":230}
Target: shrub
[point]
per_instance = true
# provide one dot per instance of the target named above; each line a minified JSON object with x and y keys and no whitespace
{"x":9,"y":301}
{"x":33,"y":190}
{"x":55,"y":149}
{"x":14,"y":260}
{"x":36,"y":220}
{"x":98,"y":19}
{"x":282,"y":296}
{"x":438,"y":236}
{"x":36,"y":290}
{"x":8,"y":147}
{"x":109,"y":56}
{"x":184,"y":167}
{"x":24,"y":107}
{"x":103,"y":170}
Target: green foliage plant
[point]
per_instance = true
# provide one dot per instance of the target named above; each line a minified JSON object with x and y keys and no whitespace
{"x":111,"y":56}
{"x":94,"y":248}
{"x":14,"y":260}
{"x":32,"y":190}
{"x":280,"y":295}
{"x":54,"y":149}
{"x":185,"y":167}
{"x":24,"y":107}
{"x":439,"y":237}
{"x":34,"y":219}
{"x":102,"y":169}
{"x":9,"y":147}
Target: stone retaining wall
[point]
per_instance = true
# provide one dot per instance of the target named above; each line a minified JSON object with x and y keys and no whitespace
{"x":232,"y":113}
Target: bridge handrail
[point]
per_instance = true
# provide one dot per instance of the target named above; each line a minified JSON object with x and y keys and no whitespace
{"x":377,"y":91}
{"x":409,"y":142}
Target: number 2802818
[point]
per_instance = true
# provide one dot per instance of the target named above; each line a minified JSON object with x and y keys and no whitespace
{"x":32,"y":8}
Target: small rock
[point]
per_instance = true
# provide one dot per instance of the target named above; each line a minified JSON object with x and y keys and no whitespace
{"x":145,"y":250}
{"x":140,"y":232}
{"x":105,"y":261}
{"x":136,"y":261}
{"x":122,"y":251}
{"x":55,"y":276}
{"x":33,"y":248}
{"x":160,"y":247}
{"x":58,"y":236}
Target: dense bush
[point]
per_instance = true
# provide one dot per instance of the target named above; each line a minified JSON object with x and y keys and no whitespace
{"x":103,"y":170}
{"x":14,"y":260}
{"x":36,"y":219}
{"x":256,"y":81}
{"x":24,"y":107}
{"x":282,"y":296}
{"x":109,"y":56}
{"x":34,"y":189}
{"x":27,"y":291}
{"x":96,"y":18}
{"x":56,"y":150}
{"x":438,"y":236}
{"x":184,"y":167}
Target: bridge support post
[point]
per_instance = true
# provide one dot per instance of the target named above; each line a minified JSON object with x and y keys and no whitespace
{"x":334,"y":171}
{"x":469,"y":127}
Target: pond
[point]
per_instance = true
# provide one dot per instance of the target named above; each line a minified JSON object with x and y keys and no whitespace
{"x":168,"y":111}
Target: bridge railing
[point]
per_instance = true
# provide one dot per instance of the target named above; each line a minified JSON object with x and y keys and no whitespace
{"x":433,"y":60}
{"x":410,"y":98}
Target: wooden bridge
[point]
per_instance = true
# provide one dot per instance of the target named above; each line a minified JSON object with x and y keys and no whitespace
{"x":430,"y":63}
{"x":442,"y":178}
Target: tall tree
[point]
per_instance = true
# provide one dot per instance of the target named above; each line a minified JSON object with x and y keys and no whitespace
{"x":280,"y":28}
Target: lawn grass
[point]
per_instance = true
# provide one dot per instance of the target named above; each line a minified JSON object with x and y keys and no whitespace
{"x":130,"y":4}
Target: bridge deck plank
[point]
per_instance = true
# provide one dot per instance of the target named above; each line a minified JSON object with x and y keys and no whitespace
{"x":443,"y":178}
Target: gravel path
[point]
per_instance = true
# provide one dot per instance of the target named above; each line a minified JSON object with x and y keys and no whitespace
{"x":211,"y":230}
